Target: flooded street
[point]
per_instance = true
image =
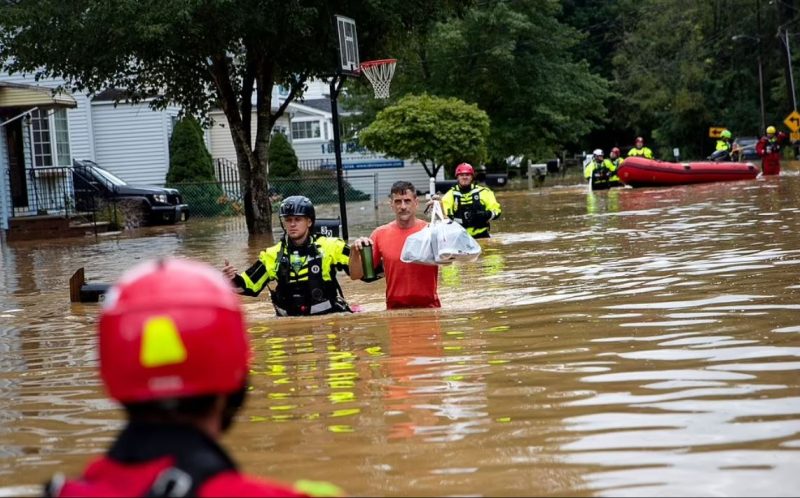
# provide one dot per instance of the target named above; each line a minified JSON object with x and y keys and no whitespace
{"x":632,"y":342}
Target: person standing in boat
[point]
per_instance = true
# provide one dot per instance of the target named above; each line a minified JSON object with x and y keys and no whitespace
{"x":639,"y":150}
{"x":300,"y":270}
{"x":723,"y":151}
{"x":769,"y":148}
{"x":471,"y":205}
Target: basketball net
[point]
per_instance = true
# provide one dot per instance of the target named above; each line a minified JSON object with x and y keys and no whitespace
{"x":379,"y":73}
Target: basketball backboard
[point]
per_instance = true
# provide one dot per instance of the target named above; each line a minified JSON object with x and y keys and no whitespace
{"x":348,"y":45}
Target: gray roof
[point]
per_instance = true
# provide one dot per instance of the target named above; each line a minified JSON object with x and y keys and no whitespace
{"x":321,"y":105}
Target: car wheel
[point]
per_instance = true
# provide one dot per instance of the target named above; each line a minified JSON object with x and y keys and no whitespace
{"x":133,"y":212}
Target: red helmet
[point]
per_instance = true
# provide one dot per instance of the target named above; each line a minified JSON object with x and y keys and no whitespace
{"x":465,"y":168}
{"x":170,"y":329}
{"x":615,"y":150}
{"x":639,"y":139}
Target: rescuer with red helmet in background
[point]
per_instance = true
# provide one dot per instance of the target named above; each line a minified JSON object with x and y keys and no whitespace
{"x":769,"y":148}
{"x":174,"y":352}
{"x":639,"y":149}
{"x":470,"y":205}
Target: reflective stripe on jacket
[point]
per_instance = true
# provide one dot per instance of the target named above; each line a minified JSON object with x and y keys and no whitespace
{"x":472,"y":208}
{"x":305,"y":277}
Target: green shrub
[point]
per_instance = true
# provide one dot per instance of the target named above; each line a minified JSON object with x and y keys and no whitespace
{"x":189,"y":160}
{"x":282,"y":159}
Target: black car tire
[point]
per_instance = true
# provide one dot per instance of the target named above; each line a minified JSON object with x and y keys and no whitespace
{"x":134,"y":212}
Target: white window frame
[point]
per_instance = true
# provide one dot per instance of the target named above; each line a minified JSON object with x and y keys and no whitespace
{"x":311,"y":123}
{"x":49,"y":132}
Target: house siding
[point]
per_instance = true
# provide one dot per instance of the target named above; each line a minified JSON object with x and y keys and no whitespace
{"x":81,"y":144}
{"x":132,"y":141}
{"x":5,"y":188}
{"x":221,"y":146}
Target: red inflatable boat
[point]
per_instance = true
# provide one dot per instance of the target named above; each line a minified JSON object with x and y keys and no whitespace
{"x":640,"y":172}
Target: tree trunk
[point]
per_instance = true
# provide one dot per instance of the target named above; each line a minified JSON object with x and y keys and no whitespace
{"x":252,"y":163}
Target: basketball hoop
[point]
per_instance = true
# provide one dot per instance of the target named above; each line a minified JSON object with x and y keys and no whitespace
{"x":379,"y":73}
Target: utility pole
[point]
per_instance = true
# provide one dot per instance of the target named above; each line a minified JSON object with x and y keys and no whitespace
{"x":789,"y":61}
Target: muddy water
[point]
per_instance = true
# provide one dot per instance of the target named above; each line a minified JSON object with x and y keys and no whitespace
{"x":632,"y":342}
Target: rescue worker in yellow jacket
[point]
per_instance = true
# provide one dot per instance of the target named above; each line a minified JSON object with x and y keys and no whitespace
{"x":300,"y":270}
{"x":723,"y":150}
{"x":470,"y":205}
{"x":640,"y":150}
{"x":612,"y":164}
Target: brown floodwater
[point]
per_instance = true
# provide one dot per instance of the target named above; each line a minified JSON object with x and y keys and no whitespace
{"x":628,"y":343}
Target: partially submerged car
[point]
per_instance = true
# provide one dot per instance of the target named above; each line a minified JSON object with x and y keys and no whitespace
{"x":96,"y":187}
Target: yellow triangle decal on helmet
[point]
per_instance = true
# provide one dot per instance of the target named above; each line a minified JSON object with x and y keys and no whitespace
{"x":161,"y":343}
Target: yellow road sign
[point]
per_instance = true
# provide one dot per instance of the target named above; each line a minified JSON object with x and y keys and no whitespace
{"x":716,"y":131}
{"x":794,"y":136}
{"x":793,"y":121}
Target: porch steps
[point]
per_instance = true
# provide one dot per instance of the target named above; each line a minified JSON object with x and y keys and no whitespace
{"x":52,"y":227}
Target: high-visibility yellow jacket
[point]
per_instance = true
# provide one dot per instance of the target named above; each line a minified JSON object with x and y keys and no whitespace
{"x":304,"y":277}
{"x":612,"y":165}
{"x":473,"y":208}
{"x":644,"y":152}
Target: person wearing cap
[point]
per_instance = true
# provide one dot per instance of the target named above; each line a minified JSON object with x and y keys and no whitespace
{"x":162,"y":326}
{"x":769,"y":148}
{"x":471,"y":205}
{"x":300,"y":270}
{"x":640,"y":150}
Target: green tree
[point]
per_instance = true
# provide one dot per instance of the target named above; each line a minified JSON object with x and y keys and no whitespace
{"x":195,"y":53}
{"x":282,"y":159}
{"x":189,"y":160}
{"x":514,"y":60}
{"x":430,"y":130}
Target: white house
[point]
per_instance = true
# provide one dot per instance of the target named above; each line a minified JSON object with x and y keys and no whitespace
{"x":39,"y":130}
{"x":308,"y":125}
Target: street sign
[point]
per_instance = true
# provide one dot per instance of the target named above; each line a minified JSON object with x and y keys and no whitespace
{"x":792,"y":121}
{"x":716,"y":131}
{"x":794,"y":136}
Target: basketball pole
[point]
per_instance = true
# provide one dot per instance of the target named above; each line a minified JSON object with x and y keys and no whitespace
{"x":336,"y":86}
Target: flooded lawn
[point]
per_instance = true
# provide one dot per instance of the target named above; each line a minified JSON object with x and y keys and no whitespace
{"x":630,"y":342}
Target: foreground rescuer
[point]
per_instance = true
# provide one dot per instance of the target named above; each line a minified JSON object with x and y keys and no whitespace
{"x":300,"y":270}
{"x":471,"y":206}
{"x":163,"y":326}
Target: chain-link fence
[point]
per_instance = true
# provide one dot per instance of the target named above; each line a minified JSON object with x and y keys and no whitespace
{"x":224,"y":197}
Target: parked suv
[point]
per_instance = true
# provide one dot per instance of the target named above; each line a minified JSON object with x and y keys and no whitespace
{"x":748,"y":147}
{"x":95,"y":186}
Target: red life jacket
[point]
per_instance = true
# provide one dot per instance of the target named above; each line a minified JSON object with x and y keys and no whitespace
{"x":158,"y":460}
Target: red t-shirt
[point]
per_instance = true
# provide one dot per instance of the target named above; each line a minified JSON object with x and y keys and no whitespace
{"x":408,"y":285}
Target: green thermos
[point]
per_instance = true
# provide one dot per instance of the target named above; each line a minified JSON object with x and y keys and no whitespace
{"x":366,"y":262}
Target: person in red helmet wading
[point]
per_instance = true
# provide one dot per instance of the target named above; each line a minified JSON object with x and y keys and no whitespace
{"x":163,"y":325}
{"x":472,"y":206}
{"x":769,"y":148}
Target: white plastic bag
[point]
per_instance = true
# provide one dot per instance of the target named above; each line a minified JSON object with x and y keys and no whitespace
{"x":453,"y":243}
{"x":418,"y":249}
{"x":440,"y":243}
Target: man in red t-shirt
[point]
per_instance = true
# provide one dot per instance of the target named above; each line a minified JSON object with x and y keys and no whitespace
{"x":408,"y":285}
